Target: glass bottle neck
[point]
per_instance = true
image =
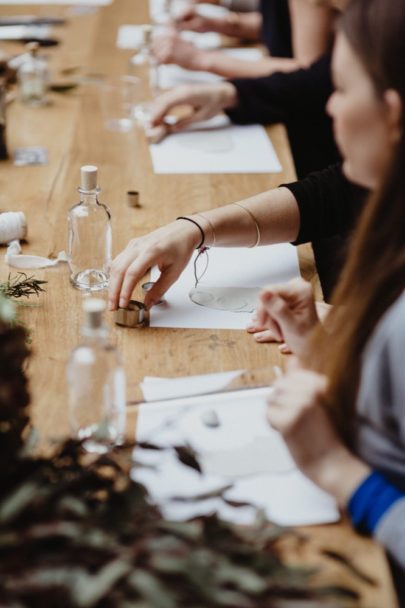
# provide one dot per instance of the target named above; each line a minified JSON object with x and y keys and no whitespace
{"x":94,"y":336}
{"x":89,"y":197}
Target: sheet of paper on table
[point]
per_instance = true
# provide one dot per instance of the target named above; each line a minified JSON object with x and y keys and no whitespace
{"x":228,"y":267}
{"x":173,"y":75}
{"x":242,"y":451}
{"x":130,"y":37}
{"x":57,"y":2}
{"x":177,"y":7}
{"x":216,"y":146}
{"x":155,"y":388}
{"x":24,"y":32}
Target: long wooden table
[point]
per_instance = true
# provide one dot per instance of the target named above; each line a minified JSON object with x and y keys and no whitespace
{"x":71,"y":129}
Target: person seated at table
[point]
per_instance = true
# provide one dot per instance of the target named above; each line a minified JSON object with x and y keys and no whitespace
{"x":296,"y":33}
{"x":323,"y":205}
{"x":297,"y":99}
{"x":243,"y":25}
{"x":342,"y":414}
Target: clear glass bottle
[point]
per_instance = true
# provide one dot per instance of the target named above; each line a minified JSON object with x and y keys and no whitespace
{"x":96,"y":382}
{"x":144,"y":66}
{"x":33,"y":77}
{"x":89,"y":247}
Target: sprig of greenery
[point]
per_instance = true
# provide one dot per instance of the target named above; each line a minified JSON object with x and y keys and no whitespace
{"x":21,"y":286}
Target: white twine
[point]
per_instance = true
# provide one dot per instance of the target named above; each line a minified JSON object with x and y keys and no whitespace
{"x":13,"y":227}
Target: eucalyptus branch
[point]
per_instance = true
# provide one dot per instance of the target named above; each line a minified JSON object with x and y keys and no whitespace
{"x":21,"y":286}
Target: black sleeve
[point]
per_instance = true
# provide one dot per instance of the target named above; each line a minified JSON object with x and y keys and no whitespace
{"x":278,"y":97}
{"x":298,"y":99}
{"x":328,"y":203}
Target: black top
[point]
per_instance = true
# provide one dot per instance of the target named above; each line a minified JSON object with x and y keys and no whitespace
{"x":329,"y":207}
{"x":298,"y":99}
{"x":276,"y":27}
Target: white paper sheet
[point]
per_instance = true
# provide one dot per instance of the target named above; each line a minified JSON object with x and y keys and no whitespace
{"x":130,"y":37}
{"x":216,"y":146}
{"x":57,"y":2}
{"x":21,"y":32}
{"x":156,"y":388}
{"x":233,"y":267}
{"x":173,"y":75}
{"x":287,"y":497}
{"x":157,"y":9}
{"x":212,"y":10}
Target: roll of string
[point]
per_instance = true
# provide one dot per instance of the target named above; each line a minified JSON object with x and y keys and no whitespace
{"x":13,"y":225}
{"x":13,"y":229}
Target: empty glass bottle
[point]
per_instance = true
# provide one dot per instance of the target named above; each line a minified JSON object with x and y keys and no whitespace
{"x":33,"y":77}
{"x":89,"y":247}
{"x":96,"y":382}
{"x":144,"y":66}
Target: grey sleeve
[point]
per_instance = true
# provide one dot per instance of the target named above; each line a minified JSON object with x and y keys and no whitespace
{"x":390,"y":532}
{"x":244,"y":6}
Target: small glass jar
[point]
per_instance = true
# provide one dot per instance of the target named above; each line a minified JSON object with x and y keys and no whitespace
{"x":33,"y":77}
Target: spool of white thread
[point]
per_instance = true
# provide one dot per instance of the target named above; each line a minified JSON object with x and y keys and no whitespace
{"x":13,"y":225}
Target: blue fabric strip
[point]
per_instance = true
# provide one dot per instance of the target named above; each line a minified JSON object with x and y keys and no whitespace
{"x":370,"y":501}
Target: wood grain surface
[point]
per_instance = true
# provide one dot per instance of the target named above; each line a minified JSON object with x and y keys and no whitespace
{"x":71,"y":128}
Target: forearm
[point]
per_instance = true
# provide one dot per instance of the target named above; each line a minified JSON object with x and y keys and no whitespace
{"x":275,"y":212}
{"x":312,"y":30}
{"x":246,"y":26}
{"x":227,"y":66}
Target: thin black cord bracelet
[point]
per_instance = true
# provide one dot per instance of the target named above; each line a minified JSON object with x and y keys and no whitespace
{"x":201,"y":244}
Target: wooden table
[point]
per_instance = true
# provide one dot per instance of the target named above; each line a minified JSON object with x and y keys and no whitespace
{"x":72,"y":130}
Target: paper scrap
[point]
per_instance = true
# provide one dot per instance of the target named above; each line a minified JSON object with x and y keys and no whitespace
{"x":264,"y":476}
{"x":155,"y":388}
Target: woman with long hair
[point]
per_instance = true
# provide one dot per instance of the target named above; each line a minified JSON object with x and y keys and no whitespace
{"x":343,"y":417}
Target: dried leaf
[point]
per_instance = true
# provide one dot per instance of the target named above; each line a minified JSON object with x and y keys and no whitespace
{"x":152,"y":589}
{"x":187,"y":456}
{"x":218,"y":493}
{"x":17,"y":501}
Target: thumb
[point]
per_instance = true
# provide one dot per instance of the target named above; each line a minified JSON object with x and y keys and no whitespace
{"x":166,"y":280}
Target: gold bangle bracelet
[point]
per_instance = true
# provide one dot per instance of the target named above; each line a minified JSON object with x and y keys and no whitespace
{"x":255,"y":223}
{"x":210,"y":225}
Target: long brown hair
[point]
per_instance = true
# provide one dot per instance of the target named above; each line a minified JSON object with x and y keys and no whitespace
{"x":374,"y":275}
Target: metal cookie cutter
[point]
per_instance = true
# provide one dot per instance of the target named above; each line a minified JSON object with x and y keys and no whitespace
{"x":135,"y":315}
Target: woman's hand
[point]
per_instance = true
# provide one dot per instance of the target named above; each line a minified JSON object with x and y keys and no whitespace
{"x":170,"y":248}
{"x":263,"y":335}
{"x":287,"y":314}
{"x":296,"y":408}
{"x":191,"y":20}
{"x":171,"y":48}
{"x":205,"y":101}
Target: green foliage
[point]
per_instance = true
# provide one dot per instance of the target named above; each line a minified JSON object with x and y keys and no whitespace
{"x":21,"y":286}
{"x":76,"y":533}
